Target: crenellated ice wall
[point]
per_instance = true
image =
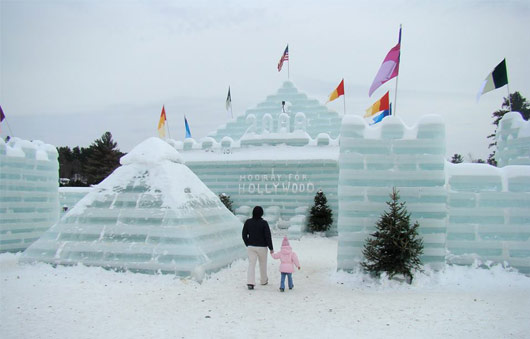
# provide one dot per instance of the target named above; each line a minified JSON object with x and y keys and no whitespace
{"x":375,"y":159}
{"x":489,"y":214}
{"x":466,"y":211}
{"x":29,"y":201}
{"x":282,"y":179}
{"x":513,"y":140}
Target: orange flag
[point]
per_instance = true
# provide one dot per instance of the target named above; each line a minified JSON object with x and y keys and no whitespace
{"x":162,"y":124}
{"x":337,"y":92}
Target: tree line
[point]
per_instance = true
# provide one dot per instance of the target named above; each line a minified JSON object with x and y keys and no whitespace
{"x":85,"y":166}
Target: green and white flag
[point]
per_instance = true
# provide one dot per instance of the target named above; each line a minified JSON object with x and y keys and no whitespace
{"x":494,"y":80}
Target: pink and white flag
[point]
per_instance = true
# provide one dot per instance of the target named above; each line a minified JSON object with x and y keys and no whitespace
{"x":389,"y":68}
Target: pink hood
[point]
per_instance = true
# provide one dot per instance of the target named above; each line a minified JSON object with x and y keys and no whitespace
{"x":288,"y":258}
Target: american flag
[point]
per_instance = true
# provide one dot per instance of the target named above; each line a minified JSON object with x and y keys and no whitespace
{"x":285,"y":57}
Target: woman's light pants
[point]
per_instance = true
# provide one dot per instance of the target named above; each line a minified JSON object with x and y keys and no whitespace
{"x":257,"y":253}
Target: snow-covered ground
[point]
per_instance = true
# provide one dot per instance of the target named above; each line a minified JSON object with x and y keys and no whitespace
{"x":39,"y":301}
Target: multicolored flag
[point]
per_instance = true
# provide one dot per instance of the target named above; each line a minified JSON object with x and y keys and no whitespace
{"x":285,"y":57}
{"x":188,"y":132}
{"x":494,"y":80}
{"x":389,"y":68}
{"x":162,"y":124}
{"x":381,"y":116}
{"x":228,"y":99}
{"x":380,"y":105}
{"x":337,"y":92}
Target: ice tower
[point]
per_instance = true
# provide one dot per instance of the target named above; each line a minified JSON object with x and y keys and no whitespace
{"x":513,"y":140}
{"x":150,"y":215}
{"x":373,"y":159}
{"x":29,"y":201}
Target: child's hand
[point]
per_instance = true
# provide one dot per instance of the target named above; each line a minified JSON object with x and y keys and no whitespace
{"x":299,"y":268}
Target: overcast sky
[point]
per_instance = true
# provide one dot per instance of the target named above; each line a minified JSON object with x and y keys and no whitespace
{"x":71,"y":70}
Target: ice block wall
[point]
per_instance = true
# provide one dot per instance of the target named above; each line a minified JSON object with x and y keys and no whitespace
{"x":513,"y":140}
{"x":69,"y":196}
{"x":489,"y":214}
{"x":373,"y":159}
{"x":29,"y":200}
{"x":285,"y":184}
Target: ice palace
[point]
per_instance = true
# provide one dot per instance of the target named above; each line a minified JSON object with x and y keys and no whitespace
{"x":278,"y":155}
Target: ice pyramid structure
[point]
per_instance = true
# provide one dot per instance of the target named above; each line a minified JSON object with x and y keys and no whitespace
{"x":288,"y":99}
{"x":150,"y":215}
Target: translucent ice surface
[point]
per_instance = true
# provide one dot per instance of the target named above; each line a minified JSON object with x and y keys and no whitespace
{"x":150,"y":215}
{"x":29,"y":202}
{"x":466,"y":212}
{"x":297,"y":112}
{"x":69,"y":196}
{"x":513,"y":140}
{"x":373,"y":159}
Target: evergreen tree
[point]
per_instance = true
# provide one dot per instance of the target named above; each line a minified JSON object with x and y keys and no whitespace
{"x":395,"y":247}
{"x":225,"y":199}
{"x":321,"y":216}
{"x":457,"y":159}
{"x":519,"y":104}
{"x":66,"y":158}
{"x":102,"y":159}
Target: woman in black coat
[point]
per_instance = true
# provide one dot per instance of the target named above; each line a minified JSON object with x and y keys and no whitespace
{"x":257,"y":237}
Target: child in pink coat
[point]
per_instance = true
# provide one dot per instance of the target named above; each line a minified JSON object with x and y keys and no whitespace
{"x":288,"y":259}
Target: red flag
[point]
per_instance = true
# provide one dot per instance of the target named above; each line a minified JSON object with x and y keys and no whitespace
{"x":337,"y":92}
{"x":162,"y":124}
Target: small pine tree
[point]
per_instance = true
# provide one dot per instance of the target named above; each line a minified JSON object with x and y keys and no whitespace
{"x":225,"y":199}
{"x":395,"y":247}
{"x":321,"y":216}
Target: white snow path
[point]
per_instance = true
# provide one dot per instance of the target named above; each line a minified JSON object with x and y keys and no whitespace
{"x":39,"y":301}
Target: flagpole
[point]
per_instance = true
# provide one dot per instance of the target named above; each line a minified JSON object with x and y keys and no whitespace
{"x":231,"y":107}
{"x":8,"y":127}
{"x":508,"y":86}
{"x":397,"y":76}
{"x":395,"y":97}
{"x":344,"y":98}
{"x":288,"y":68}
{"x":167,"y":124}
